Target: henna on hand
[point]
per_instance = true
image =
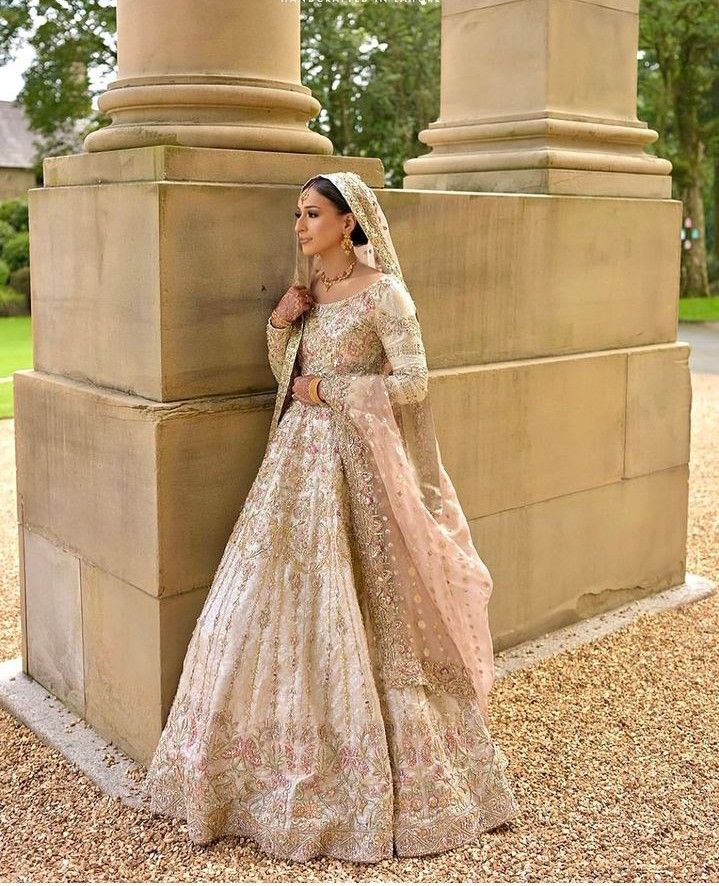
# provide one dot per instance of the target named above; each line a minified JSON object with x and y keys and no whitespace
{"x":293,"y":303}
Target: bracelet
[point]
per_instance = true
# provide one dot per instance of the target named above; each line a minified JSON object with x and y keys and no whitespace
{"x":312,"y":391}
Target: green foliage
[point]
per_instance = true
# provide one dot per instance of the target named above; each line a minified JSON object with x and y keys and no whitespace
{"x":679,"y":97}
{"x":374,"y":67}
{"x":14,"y":238}
{"x":20,"y":280}
{"x":72,"y":39}
{"x":16,"y":252}
{"x":14,"y":212}
{"x":12,"y":303}
{"x":6,"y":232}
{"x":679,"y":77}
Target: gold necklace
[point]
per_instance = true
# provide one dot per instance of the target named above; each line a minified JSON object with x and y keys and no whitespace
{"x":329,"y":282}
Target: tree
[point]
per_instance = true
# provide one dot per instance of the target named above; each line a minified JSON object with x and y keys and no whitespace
{"x":374,"y":67}
{"x":680,"y":43}
{"x":713,"y":152}
{"x":73,"y":42}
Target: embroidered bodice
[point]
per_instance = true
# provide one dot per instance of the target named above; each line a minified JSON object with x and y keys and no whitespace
{"x":356,"y":336}
{"x":340,"y":337}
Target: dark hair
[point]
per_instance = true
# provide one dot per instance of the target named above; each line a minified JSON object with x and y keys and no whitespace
{"x":325,"y":187}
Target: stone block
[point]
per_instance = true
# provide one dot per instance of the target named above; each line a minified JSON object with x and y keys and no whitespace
{"x":175,"y":280}
{"x":147,"y":492}
{"x":541,"y":276}
{"x":520,"y":432}
{"x":561,"y":41}
{"x":134,"y":647}
{"x":659,"y":398}
{"x":53,"y":618}
{"x":180,"y":163}
{"x":558,"y":561}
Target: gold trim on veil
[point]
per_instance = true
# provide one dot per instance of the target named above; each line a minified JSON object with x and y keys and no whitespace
{"x":440,"y":586}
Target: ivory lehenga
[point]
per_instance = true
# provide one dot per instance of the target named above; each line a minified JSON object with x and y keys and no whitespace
{"x":333,"y":696}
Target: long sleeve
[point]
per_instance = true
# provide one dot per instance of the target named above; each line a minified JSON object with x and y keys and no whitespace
{"x":276,"y":346}
{"x":397,"y":326}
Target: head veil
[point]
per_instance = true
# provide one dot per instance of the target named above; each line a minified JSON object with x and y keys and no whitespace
{"x":439,"y":587}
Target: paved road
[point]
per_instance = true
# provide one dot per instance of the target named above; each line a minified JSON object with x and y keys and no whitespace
{"x":704,"y":339}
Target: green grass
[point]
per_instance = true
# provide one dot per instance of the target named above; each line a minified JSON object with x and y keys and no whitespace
{"x":696,"y":310}
{"x":15,"y":353}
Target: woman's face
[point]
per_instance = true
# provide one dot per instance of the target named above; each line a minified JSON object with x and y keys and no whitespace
{"x":319,"y":225}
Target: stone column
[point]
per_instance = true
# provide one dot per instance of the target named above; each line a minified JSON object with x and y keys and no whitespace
{"x":157,"y":258}
{"x":216,"y":74}
{"x":540,"y":96}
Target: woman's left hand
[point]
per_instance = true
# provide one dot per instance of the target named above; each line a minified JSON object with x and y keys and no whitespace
{"x":299,"y":389}
{"x":301,"y":383}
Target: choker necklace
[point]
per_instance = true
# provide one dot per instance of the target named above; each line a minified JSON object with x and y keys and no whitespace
{"x":330,"y":281}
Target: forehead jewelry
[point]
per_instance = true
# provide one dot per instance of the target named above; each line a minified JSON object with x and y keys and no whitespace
{"x":304,"y":195}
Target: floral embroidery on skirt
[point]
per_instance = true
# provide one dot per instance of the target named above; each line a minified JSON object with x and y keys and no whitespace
{"x":282,"y":728}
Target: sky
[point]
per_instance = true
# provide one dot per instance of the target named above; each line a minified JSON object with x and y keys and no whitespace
{"x":11,"y":79}
{"x":11,"y":74}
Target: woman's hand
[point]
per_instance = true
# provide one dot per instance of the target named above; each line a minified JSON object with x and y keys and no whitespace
{"x":300,"y":389}
{"x":301,"y":384}
{"x":294,"y":302}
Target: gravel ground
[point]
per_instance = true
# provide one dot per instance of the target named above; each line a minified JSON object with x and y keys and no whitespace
{"x":612,"y":750}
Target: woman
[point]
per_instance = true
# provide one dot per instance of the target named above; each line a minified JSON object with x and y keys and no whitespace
{"x":333,"y":698}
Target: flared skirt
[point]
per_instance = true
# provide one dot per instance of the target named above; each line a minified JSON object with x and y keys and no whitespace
{"x":282,"y":729}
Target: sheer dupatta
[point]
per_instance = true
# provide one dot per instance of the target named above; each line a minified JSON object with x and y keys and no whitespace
{"x":439,"y":586}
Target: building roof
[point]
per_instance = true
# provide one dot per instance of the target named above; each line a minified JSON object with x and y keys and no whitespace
{"x":16,"y":138}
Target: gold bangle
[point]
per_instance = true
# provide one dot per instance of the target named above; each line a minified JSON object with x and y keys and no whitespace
{"x":312,"y":391}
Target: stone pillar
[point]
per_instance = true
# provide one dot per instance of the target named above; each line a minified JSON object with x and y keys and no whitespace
{"x":157,"y":258}
{"x":540,"y":96}
{"x":217,"y":74}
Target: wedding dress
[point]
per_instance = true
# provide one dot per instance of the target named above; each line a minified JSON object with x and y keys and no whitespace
{"x":319,"y":710}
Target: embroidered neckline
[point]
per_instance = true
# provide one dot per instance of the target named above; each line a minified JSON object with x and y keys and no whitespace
{"x":340,"y":301}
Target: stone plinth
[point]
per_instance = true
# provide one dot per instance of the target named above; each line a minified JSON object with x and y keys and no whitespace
{"x":540,"y":96}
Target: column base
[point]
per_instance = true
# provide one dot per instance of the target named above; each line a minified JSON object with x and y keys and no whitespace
{"x":161,"y":163}
{"x":546,"y":181}
{"x":551,"y":155}
{"x":228,"y":112}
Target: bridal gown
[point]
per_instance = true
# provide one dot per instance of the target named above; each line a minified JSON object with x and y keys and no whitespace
{"x":282,"y":728}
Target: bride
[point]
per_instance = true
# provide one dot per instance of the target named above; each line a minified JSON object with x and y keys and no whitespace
{"x":333,"y":697}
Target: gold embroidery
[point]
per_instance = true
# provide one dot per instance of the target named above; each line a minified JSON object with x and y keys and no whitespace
{"x":277,"y":340}
{"x":280,"y":730}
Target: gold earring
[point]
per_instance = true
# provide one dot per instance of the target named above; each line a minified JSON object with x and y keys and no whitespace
{"x":346,"y":243}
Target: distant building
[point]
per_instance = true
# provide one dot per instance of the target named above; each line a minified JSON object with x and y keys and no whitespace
{"x":17,"y":153}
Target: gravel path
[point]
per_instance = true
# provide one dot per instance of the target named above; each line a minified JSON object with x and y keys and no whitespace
{"x":612,"y":750}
